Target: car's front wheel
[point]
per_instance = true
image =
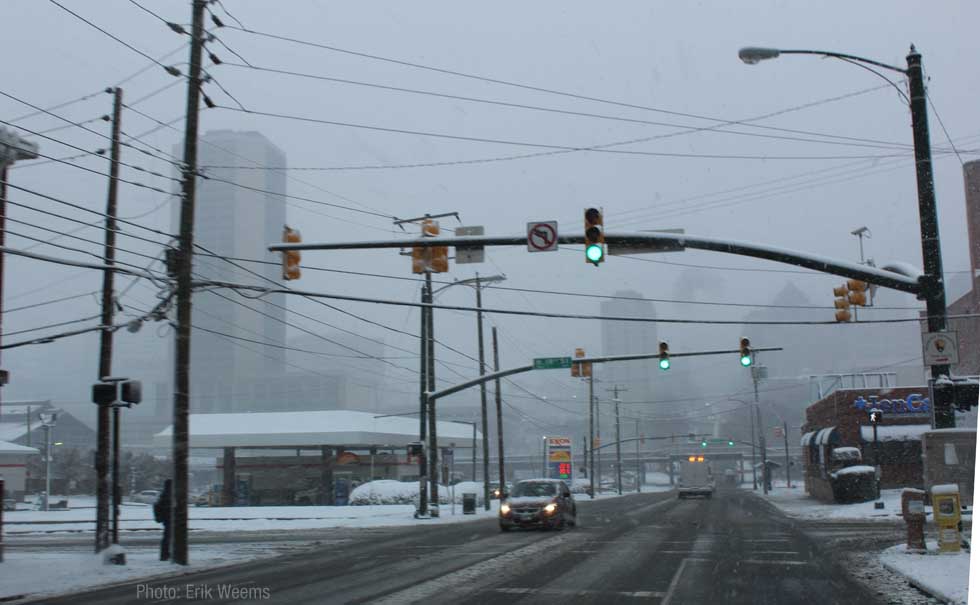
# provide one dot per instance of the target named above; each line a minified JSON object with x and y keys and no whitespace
{"x":505,"y":528}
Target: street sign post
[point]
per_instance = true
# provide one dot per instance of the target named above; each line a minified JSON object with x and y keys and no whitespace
{"x":469,"y":254}
{"x":552,"y":363}
{"x":940,"y":348}
{"x":542,"y":236}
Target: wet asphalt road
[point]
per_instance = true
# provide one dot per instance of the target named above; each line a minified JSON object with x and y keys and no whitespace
{"x":649,"y":548}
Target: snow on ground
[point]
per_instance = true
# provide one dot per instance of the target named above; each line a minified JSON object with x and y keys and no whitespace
{"x":945,"y":575}
{"x":23,"y":572}
{"x":237,"y":518}
{"x":795,"y":502}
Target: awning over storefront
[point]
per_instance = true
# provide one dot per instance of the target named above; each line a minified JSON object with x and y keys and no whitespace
{"x":807,"y":439}
{"x":826,"y":436}
{"x":899,"y":432}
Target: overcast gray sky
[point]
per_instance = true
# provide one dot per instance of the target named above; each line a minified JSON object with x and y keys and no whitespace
{"x":664,"y":56}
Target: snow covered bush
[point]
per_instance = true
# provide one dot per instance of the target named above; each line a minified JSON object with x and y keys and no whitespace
{"x":389,"y":491}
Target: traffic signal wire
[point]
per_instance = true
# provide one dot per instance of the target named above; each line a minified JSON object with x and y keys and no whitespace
{"x":50,"y":302}
{"x":83,"y":224}
{"x":60,"y":324}
{"x":76,"y":237}
{"x":593,"y":148}
{"x":687,"y":128}
{"x":579,"y":316}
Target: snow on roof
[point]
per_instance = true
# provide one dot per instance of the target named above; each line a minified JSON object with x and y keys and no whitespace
{"x":895,"y":432}
{"x":945,"y":489}
{"x":12,"y":448}
{"x":805,"y":439}
{"x":855,"y":470}
{"x":846,"y":453}
{"x":959,"y":430}
{"x":12,"y":431}
{"x":326,"y":427}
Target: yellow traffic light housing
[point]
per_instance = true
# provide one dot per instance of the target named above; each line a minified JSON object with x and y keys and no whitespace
{"x":430,"y":258}
{"x":595,"y":237}
{"x":290,"y":258}
{"x":745,"y":352}
{"x":581,"y":370}
{"x":856,"y":292}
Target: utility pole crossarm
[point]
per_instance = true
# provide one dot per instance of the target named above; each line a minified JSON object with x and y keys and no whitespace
{"x":652,"y":242}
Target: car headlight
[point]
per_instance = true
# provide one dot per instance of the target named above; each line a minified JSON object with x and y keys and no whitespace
{"x":505,"y":509}
{"x":551,"y":508}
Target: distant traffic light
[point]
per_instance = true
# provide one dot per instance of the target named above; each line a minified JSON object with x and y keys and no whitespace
{"x":856,"y":292}
{"x":595,"y":237}
{"x":731,"y":443}
{"x":664,"y":356}
{"x":704,"y":443}
{"x":842,"y":305}
{"x":745,"y":352}
{"x":430,"y":258}
{"x":290,"y":258}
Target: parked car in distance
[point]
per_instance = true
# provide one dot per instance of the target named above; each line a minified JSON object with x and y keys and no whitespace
{"x":544,"y":503}
{"x":495,"y":491}
{"x":147,"y":496}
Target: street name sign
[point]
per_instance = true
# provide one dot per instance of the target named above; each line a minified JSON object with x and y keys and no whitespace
{"x":552,"y":363}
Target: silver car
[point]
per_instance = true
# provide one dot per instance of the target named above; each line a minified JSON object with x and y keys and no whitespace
{"x":147,"y":496}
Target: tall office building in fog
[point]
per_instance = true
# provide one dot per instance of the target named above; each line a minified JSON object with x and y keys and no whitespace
{"x":235,"y":217}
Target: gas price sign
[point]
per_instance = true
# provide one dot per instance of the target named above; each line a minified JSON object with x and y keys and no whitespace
{"x":558,"y":452}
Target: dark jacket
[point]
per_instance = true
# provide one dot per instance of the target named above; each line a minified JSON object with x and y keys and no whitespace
{"x":161,"y":508}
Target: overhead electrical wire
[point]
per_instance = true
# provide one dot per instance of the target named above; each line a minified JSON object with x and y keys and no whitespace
{"x":50,"y":302}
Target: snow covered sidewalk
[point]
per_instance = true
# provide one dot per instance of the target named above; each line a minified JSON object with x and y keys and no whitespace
{"x":946,"y":576}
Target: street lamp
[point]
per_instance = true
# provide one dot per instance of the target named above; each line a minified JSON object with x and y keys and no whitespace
{"x":48,"y":420}
{"x":478,"y":283}
{"x":931,"y":282}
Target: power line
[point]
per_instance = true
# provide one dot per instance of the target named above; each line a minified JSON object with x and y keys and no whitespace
{"x":849,"y":141}
{"x":400,"y":303}
{"x":50,"y":302}
{"x":54,"y":325}
{"x":83,"y":223}
{"x":595,"y":149}
{"x":86,"y":240}
{"x":169,"y":69}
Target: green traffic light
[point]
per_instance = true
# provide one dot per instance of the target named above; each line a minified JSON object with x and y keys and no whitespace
{"x":594,"y":253}
{"x":704,"y":444}
{"x":746,"y":360}
{"x":731,"y":443}
{"x":664,"y":364}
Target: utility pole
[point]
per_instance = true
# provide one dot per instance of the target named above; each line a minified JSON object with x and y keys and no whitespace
{"x":598,"y":436}
{"x":786,"y":446}
{"x":184,"y":265}
{"x":640,"y":471}
{"x":431,"y":379}
{"x":619,"y":453}
{"x":423,"y":406}
{"x":483,"y":402}
{"x":762,"y":431}
{"x":591,"y":438}
{"x":105,"y":341}
{"x":755,"y":482}
{"x":933,"y":288}
{"x":500,"y":415}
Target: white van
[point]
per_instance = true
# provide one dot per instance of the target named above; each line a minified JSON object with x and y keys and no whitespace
{"x":696,"y":478}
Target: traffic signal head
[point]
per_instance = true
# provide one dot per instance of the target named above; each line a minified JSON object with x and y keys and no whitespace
{"x":581,"y":370}
{"x":704,"y":443}
{"x":745,"y":353}
{"x":290,"y":258}
{"x":731,"y":443}
{"x":595,"y":237}
{"x":664,"y":356}
{"x":875,"y":416}
{"x":856,"y":292}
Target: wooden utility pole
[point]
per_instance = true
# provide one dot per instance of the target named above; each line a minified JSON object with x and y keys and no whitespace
{"x":483,"y":401}
{"x":184,"y":259}
{"x":102,"y":491}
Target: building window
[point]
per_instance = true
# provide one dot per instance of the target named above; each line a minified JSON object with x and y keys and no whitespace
{"x":950,"y":454}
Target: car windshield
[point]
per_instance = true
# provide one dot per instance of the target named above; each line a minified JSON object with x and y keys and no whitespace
{"x":534,"y":488}
{"x":371,"y":284}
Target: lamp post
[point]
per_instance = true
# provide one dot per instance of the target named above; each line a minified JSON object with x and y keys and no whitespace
{"x":478,"y":284}
{"x":48,"y":420}
{"x":931,"y":282}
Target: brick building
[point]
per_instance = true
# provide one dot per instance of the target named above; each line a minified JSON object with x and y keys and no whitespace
{"x":841,"y":420}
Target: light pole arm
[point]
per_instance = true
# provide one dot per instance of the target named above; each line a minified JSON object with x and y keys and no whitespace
{"x":826,"y":53}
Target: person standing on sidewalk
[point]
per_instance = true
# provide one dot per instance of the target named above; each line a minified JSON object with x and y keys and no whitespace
{"x":161,"y":513}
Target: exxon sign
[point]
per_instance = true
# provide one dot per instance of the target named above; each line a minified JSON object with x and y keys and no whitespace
{"x":913,"y":404}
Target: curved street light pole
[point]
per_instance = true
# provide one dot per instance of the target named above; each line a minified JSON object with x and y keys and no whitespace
{"x":933,"y":290}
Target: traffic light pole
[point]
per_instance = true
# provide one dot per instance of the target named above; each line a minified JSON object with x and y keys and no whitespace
{"x":500,"y":415}
{"x":591,"y":438}
{"x":102,"y":516}
{"x":755,"y":481}
{"x":762,"y":438}
{"x":786,"y":446}
{"x":423,"y":406}
{"x":483,"y":402}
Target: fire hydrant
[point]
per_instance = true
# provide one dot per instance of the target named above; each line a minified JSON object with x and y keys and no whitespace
{"x":914,"y":512}
{"x":946,"y":512}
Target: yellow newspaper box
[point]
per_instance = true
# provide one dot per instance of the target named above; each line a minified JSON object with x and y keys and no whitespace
{"x":946,"y":512}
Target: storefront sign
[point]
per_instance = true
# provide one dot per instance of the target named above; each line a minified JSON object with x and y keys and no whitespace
{"x":559,"y":456}
{"x":913,"y":404}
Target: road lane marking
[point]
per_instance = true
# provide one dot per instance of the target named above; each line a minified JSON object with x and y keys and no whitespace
{"x":677,"y":577}
{"x":774,"y":562}
{"x":637,"y":594}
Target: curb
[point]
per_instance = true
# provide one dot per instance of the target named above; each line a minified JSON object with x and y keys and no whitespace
{"x":924,"y":588}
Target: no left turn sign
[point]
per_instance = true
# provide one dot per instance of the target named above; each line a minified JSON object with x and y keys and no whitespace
{"x":542,"y":236}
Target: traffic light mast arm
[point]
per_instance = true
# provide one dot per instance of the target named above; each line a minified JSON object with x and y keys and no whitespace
{"x":654,"y":241}
{"x":605,"y":359}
